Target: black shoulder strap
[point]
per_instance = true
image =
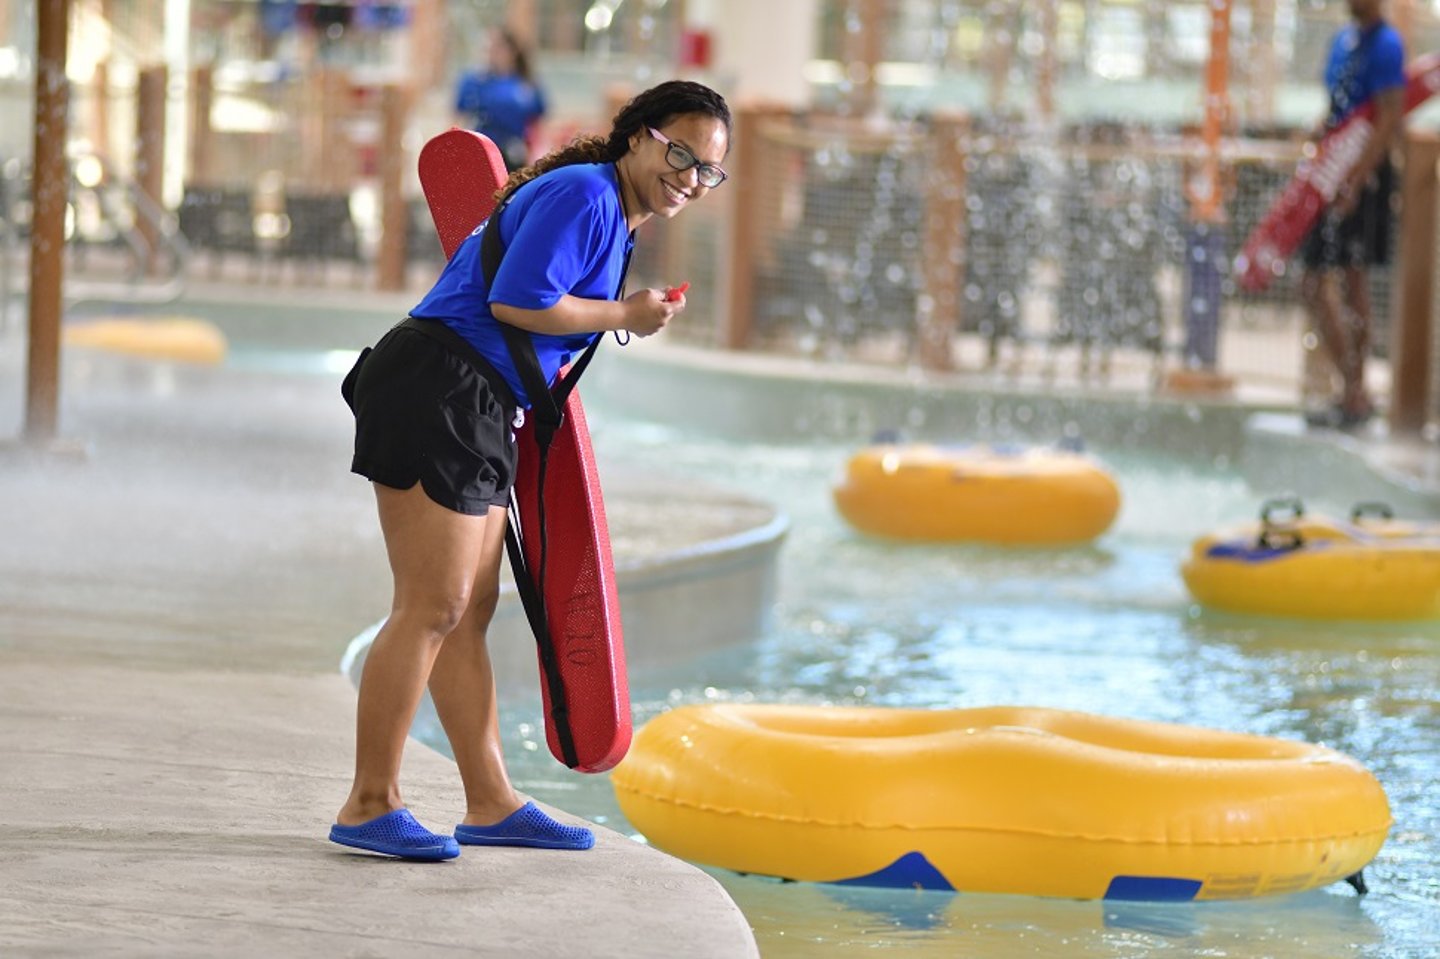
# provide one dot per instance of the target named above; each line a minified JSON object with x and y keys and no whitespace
{"x":548,"y":408}
{"x":547,"y":405}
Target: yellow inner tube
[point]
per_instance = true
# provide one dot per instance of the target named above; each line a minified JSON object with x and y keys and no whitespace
{"x":1320,"y":568}
{"x":165,"y":338}
{"x":1032,"y":497}
{"x":1008,"y":799}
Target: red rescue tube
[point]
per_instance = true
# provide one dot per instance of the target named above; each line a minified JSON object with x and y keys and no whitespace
{"x":460,"y":172}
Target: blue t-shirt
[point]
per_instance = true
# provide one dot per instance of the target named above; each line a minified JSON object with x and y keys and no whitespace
{"x":501,"y":107}
{"x":564,"y":232}
{"x":1362,"y":63}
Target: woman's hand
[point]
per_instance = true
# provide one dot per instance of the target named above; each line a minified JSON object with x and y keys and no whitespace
{"x":648,"y":311}
{"x":642,"y":313}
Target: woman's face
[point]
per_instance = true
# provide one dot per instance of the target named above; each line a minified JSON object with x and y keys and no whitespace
{"x":502,"y":58}
{"x":660,"y":189}
{"x":1365,"y":10}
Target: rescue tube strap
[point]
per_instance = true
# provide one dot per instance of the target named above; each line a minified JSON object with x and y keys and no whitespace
{"x":548,"y":406}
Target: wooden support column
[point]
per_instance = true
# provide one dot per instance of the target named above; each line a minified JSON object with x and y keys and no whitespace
{"x":428,"y":37}
{"x":1264,"y":65}
{"x":941,"y":302}
{"x":337,"y":151}
{"x":1205,"y":250}
{"x":1154,"y":30}
{"x":50,"y":188}
{"x":1208,"y":202}
{"x":202,"y":134}
{"x":1002,"y":22}
{"x":1048,"y":66}
{"x":309,"y":119}
{"x":1412,"y":333}
{"x":394,"y":215}
{"x":327,"y":155}
{"x":747,"y":195}
{"x":150,"y":149}
{"x":864,"y":49}
{"x":100,"y":115}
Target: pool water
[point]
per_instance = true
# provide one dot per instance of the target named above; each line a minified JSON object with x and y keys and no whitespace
{"x":1107,"y":629}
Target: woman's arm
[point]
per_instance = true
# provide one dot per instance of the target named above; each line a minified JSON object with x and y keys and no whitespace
{"x":642,"y":313}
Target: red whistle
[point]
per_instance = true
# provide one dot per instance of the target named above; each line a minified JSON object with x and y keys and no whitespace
{"x":675,"y":292}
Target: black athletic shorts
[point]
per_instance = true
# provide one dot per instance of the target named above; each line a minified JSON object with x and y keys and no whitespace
{"x":424,"y":413}
{"x":1363,"y":237}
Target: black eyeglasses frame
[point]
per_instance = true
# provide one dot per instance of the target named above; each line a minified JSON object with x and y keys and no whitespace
{"x":682,"y":160}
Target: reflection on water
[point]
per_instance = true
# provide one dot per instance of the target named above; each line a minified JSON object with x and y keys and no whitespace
{"x":821,"y":921}
{"x":1106,"y":629}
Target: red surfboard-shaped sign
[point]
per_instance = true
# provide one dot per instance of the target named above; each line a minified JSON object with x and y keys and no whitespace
{"x":1296,"y":211}
{"x":460,"y":172}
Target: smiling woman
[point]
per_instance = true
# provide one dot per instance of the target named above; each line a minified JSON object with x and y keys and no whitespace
{"x":437,"y":402}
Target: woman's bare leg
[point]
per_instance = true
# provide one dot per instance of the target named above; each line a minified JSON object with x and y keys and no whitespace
{"x":463,"y":687}
{"x":434,"y":554}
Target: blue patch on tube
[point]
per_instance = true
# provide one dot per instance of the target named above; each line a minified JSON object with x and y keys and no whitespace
{"x":910,"y":871}
{"x":1152,"y":889}
{"x":1248,"y":554}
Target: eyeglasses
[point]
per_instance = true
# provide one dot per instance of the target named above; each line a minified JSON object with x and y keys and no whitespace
{"x":708,"y":174}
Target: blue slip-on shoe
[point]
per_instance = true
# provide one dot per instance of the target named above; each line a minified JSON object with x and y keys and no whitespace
{"x":396,"y":834}
{"x":526,"y":826}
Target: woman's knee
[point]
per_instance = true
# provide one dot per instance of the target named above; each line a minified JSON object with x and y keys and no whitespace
{"x":435,"y":615}
{"x":484,"y":602}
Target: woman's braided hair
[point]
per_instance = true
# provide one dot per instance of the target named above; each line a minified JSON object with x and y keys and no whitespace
{"x":653,"y":108}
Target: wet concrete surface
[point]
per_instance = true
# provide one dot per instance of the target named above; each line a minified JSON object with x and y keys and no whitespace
{"x":179,"y":577}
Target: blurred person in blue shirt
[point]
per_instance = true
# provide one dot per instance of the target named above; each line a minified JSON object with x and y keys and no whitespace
{"x":502,"y":101}
{"x":1366,"y":62}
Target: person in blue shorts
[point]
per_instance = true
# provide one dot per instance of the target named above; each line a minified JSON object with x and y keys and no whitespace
{"x":1367,"y":61}
{"x":503,"y":101}
{"x":434,"y":404}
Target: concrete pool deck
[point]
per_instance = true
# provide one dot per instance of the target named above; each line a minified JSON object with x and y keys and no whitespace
{"x":175,"y":597}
